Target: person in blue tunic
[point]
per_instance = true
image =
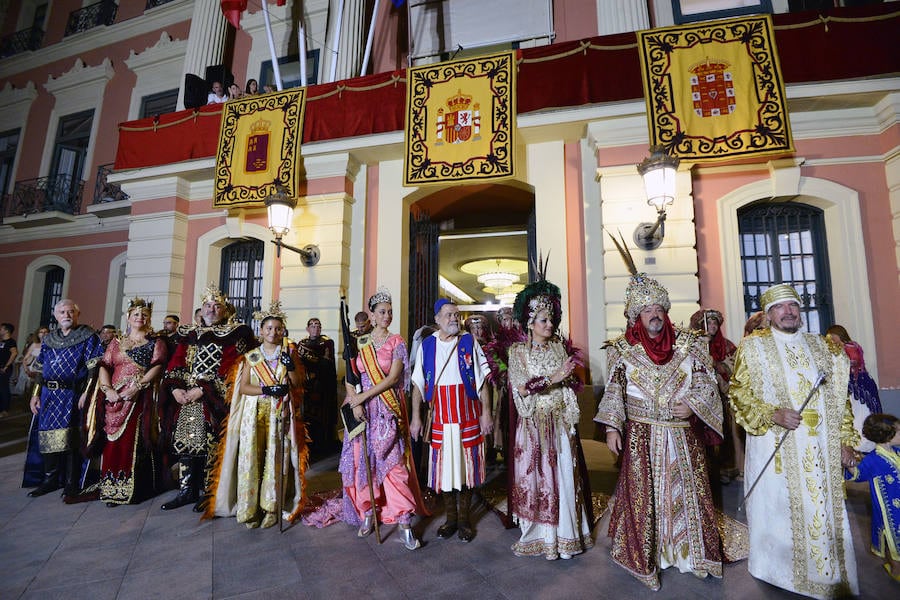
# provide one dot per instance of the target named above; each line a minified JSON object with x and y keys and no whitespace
{"x":68,"y":356}
{"x":881,"y":469}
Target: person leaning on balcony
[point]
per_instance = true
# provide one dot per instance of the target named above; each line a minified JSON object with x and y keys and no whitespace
{"x":217,"y":95}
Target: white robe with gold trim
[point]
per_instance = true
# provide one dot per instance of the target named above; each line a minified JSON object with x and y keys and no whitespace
{"x":799,"y":530}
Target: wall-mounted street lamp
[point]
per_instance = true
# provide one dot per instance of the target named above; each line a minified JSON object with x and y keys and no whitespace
{"x":281,"y":215}
{"x":658,"y":172}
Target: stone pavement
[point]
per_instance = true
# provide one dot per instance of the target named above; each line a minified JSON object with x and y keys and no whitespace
{"x":52,"y":550}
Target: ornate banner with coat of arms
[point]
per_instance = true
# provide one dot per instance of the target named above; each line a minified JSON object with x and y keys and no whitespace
{"x":461,"y":121}
{"x":714,"y":90}
{"x":259,"y":147}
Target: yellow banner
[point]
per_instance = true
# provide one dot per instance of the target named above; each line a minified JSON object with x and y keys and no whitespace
{"x":714,"y":90}
{"x":461,"y":121}
{"x":259,"y":147}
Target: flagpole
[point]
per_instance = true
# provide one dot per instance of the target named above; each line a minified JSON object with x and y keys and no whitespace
{"x":301,"y":45}
{"x":275,"y":69}
{"x":365,"y":62}
{"x":336,"y":42}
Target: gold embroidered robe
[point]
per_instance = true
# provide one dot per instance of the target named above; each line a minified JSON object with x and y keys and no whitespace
{"x":799,"y":531}
{"x":662,"y":510}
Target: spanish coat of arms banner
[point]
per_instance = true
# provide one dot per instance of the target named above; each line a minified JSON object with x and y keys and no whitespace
{"x":259,"y":148}
{"x":714,"y":90}
{"x":461,"y":121}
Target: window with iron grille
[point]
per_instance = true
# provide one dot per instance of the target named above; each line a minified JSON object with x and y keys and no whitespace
{"x":785,"y":243}
{"x":53,"y":286}
{"x":241,"y":278}
{"x":9,"y":143}
{"x":159,"y":104}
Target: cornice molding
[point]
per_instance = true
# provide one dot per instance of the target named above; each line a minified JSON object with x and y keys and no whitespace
{"x":80,"y":75}
{"x":85,"y":224}
{"x":166,"y":49}
{"x":10,"y":96}
{"x":97,"y":37}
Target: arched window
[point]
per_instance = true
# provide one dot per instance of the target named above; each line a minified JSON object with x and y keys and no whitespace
{"x":242,"y":278}
{"x":53,"y":286}
{"x":785,"y":243}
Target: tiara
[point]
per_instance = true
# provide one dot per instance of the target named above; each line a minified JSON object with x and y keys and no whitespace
{"x":382,"y":295}
{"x":274,"y":312}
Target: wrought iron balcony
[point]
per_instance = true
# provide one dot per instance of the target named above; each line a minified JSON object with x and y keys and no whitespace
{"x":93,"y":15}
{"x":104,"y":191}
{"x":21,"y":41}
{"x":60,"y":193}
{"x":155,"y":3}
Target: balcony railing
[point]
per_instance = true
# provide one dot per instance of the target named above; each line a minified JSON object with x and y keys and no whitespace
{"x":94,"y":15}
{"x":155,"y":3}
{"x":57,"y":192}
{"x":104,"y":191}
{"x":21,"y":41}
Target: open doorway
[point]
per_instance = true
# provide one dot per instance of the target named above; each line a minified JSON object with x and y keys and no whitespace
{"x":474,"y":244}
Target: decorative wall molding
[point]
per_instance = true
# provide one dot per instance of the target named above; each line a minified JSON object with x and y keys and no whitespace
{"x":164,"y":16}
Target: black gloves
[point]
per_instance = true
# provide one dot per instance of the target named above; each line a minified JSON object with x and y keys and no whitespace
{"x":287,"y":361}
{"x":276,"y":391}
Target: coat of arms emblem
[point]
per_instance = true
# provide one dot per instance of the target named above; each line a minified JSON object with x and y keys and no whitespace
{"x":712,"y":89}
{"x":460,"y":122}
{"x":258,"y":147}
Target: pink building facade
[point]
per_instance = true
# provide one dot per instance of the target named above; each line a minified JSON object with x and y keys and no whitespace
{"x":153,"y":230}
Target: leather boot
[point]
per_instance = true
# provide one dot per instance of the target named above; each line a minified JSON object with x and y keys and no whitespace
{"x":186,"y":492}
{"x":449,"y":526}
{"x":201,"y":493}
{"x":466,"y":532}
{"x":71,"y":489}
{"x":51,"y":476}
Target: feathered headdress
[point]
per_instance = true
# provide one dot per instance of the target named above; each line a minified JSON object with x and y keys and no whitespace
{"x":642,"y":290}
{"x":537,"y":296}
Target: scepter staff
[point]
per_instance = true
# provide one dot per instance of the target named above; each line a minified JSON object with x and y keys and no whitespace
{"x":819,"y":381}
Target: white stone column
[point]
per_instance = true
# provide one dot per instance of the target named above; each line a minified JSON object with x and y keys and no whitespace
{"x":352,"y":42}
{"x":324,"y":220}
{"x":620,"y":16}
{"x":206,"y":41}
{"x":546,"y":164}
{"x":673,"y":264}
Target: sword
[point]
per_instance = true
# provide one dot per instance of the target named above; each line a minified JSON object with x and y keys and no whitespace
{"x":819,"y":381}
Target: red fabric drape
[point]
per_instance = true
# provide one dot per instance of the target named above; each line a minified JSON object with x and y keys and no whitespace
{"x":720,"y":347}
{"x":812,"y":47}
{"x":661,"y":348}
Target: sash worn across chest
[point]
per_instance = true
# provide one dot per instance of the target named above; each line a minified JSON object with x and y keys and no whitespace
{"x":262,"y":369}
{"x":373,"y":369}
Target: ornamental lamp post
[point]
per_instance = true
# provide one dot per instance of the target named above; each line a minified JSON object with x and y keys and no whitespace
{"x":280,"y":207}
{"x":658,"y":172}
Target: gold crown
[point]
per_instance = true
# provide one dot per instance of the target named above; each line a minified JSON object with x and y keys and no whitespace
{"x":260,"y":126}
{"x":275,"y":311}
{"x":778,"y":294}
{"x":459,"y":102}
{"x":212,"y":293}
{"x":706,"y":67}
{"x":141,"y":304}
{"x":643,"y":291}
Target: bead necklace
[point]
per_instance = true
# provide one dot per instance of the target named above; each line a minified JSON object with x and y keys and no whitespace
{"x":379,"y":342}
{"x":273,"y":357}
